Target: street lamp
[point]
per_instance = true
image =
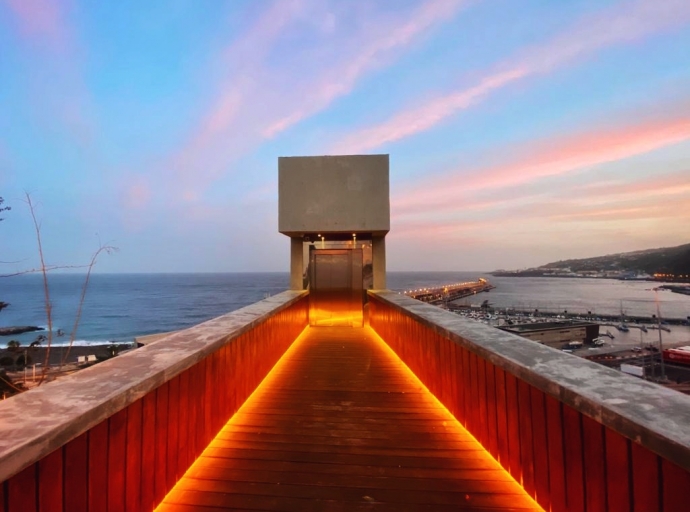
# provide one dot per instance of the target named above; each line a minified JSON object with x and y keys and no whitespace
{"x":661,"y":347}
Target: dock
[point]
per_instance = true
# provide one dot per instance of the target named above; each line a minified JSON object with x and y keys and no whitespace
{"x":447,"y":293}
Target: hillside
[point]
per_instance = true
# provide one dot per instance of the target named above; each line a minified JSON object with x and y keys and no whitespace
{"x":666,"y":260}
{"x":666,"y":263}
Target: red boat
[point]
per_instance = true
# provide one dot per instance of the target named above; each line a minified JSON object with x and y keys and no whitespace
{"x":678,"y":355}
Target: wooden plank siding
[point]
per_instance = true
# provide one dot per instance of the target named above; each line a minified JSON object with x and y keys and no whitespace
{"x":341,"y":424}
{"x":565,"y":460}
{"x":131,"y":460}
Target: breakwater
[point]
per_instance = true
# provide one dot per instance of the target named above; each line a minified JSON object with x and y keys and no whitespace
{"x":446,"y":293}
{"x":684,"y":290}
{"x":648,"y":321}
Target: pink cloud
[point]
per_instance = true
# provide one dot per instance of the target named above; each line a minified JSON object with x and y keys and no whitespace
{"x":137,"y":195}
{"x":56,"y":90}
{"x":623,"y":213}
{"x":555,"y":227}
{"x":510,"y":200}
{"x":650,"y":209}
{"x":442,"y":229}
{"x":263,"y":97}
{"x":623,"y":23}
{"x":135,"y":201}
{"x":245,"y":55}
{"x":340,"y":80}
{"x":556,"y":221}
{"x":553,"y":157}
{"x":665,"y":185}
{"x":616,"y":210}
{"x":42,"y":20}
{"x":585,"y":150}
{"x":421,"y":119}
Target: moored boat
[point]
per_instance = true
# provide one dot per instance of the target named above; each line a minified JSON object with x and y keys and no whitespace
{"x":678,"y":355}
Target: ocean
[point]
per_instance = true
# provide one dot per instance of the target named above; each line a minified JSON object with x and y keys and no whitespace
{"x":119,"y":307}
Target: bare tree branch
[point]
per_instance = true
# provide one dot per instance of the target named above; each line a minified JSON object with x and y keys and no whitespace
{"x":103,"y":248}
{"x":11,"y":262}
{"x":46,"y":288}
{"x":44,"y":269}
{"x":4,"y":208}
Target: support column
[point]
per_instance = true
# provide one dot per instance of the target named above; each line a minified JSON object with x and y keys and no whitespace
{"x":296,"y":263}
{"x":378,"y":257}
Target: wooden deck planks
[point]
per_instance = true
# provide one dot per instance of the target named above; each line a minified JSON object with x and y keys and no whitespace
{"x":341,"y":424}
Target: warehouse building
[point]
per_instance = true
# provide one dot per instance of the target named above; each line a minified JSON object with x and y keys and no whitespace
{"x":556,"y":334}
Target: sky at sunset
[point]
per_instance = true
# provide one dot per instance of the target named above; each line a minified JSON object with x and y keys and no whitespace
{"x":519,"y":131}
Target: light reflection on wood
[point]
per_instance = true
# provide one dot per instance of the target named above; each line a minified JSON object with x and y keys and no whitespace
{"x":341,"y":423}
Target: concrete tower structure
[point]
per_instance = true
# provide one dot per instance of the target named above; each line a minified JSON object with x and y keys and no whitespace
{"x":334,"y":198}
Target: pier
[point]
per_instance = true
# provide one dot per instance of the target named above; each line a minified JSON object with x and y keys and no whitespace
{"x":346,"y":420}
{"x":449,"y":292}
{"x":312,"y":400}
{"x":359,"y":432}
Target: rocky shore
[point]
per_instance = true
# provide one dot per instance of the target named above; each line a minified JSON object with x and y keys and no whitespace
{"x":38,"y":354}
{"x":11,"y":331}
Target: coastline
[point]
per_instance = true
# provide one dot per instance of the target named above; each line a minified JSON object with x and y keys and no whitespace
{"x":37,"y":355}
{"x":22,"y":329}
{"x":548,"y":274}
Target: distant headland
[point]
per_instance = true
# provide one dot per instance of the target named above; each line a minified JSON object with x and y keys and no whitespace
{"x":662,"y":264}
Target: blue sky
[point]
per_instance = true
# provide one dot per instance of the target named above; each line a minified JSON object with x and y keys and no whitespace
{"x":519,"y":132}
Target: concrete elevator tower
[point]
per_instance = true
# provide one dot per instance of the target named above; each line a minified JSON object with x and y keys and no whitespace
{"x":336,"y":211}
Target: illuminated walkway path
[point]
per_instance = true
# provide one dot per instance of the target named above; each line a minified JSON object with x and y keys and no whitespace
{"x":341,"y":424}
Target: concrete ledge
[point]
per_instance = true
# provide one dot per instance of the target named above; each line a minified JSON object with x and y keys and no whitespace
{"x":39,"y":421}
{"x":152,"y":338}
{"x":649,"y":414}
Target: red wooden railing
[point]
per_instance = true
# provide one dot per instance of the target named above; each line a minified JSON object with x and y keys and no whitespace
{"x":568,"y":450}
{"x":130,"y":460}
{"x":536,"y":428}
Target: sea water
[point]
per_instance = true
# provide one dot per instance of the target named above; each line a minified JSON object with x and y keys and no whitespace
{"x":118,"y":307}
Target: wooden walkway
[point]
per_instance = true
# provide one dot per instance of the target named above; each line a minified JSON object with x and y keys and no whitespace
{"x":341,"y":424}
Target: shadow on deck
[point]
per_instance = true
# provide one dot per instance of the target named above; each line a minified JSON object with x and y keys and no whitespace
{"x":341,"y":423}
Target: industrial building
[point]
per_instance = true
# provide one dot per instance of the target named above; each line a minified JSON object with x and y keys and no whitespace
{"x":556,"y":334}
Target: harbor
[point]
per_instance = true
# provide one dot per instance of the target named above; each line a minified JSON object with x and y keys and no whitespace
{"x":615,"y":321}
{"x":617,"y":333}
{"x":171,"y":303}
{"x":649,"y":346}
{"x":634,"y":348}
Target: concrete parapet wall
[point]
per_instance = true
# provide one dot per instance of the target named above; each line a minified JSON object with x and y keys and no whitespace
{"x":146,"y":414}
{"x":152,"y":338}
{"x":577,"y":435}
